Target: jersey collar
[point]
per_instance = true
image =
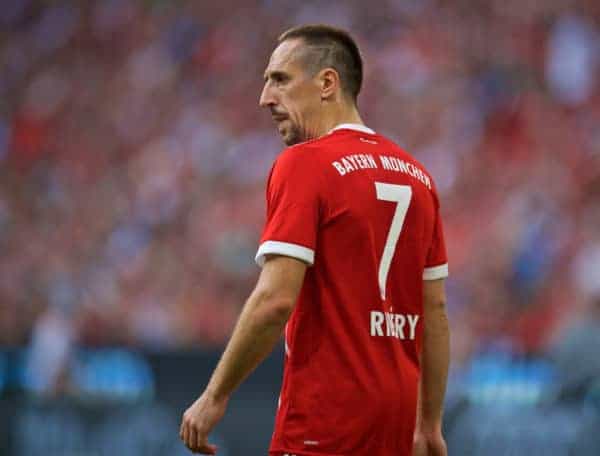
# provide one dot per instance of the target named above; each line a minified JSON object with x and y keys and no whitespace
{"x":353,"y":126}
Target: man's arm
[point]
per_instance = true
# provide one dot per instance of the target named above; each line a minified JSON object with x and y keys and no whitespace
{"x":258,"y":329}
{"x":435,"y":358}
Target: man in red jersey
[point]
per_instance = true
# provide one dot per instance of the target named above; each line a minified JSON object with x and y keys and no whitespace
{"x":353,"y":266}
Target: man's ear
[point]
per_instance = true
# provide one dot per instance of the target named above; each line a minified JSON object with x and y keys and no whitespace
{"x":329,"y":79}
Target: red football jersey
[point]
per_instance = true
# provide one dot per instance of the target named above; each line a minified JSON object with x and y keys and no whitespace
{"x":365,"y":215}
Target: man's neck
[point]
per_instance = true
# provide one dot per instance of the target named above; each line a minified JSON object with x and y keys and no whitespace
{"x":346,"y":116}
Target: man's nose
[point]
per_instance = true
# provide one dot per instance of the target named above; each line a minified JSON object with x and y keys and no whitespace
{"x":267,"y":97}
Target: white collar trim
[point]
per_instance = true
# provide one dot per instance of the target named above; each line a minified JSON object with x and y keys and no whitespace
{"x":353,"y":126}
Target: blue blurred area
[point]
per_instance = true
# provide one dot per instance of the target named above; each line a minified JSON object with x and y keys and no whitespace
{"x":123,"y":402}
{"x":113,"y":374}
{"x":499,"y":380}
{"x":3,"y":371}
{"x":101,"y":375}
{"x":556,"y":431}
{"x":118,"y":401}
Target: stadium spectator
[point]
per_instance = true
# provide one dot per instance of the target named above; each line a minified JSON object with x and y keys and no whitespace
{"x":132,"y":160}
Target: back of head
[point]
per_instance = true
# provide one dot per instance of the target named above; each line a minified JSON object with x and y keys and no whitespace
{"x":330,"y":47}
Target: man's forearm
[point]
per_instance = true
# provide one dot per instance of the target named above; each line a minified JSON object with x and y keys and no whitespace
{"x":435,"y":359}
{"x":256,"y":333}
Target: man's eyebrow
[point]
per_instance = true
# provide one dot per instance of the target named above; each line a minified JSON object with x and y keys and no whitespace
{"x":274,"y":74}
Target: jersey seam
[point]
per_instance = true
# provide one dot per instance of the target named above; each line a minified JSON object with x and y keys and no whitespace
{"x":302,"y":452}
{"x":435,"y":272}
{"x":274,"y":247}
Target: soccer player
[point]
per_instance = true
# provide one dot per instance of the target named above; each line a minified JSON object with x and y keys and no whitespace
{"x":353,"y":266}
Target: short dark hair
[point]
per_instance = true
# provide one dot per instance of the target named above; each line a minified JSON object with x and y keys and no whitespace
{"x":331,"y":47}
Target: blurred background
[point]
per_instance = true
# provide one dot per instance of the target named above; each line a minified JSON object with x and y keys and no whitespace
{"x":133,"y":161}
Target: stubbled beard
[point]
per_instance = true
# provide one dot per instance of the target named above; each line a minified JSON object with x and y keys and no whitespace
{"x":293,"y":136}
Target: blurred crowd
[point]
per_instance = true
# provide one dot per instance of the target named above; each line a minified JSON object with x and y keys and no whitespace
{"x":133,"y":160}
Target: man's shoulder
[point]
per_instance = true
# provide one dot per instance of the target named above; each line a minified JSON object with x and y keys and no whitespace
{"x":318,"y":147}
{"x":305,"y":153}
{"x":293,"y":156}
{"x":296,"y":161}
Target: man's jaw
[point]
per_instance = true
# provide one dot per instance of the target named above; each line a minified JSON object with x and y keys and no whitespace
{"x":286,"y":129}
{"x":291,"y":136}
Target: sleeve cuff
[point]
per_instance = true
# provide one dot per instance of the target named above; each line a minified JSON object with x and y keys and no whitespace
{"x":436,"y":272}
{"x":284,"y":248}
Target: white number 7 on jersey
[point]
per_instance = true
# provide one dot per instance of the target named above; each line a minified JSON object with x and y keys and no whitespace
{"x":400,"y":194}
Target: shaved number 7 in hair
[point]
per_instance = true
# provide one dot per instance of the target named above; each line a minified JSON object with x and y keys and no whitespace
{"x":401,"y":195}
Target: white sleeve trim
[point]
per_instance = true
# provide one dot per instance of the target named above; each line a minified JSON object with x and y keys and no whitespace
{"x":284,"y":248}
{"x":436,"y":272}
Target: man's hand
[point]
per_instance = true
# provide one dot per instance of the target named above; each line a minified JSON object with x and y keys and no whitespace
{"x":429,"y":444}
{"x":198,"y":421}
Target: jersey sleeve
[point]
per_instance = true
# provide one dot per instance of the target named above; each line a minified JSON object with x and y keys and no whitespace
{"x":292,"y":209}
{"x":436,"y":264}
